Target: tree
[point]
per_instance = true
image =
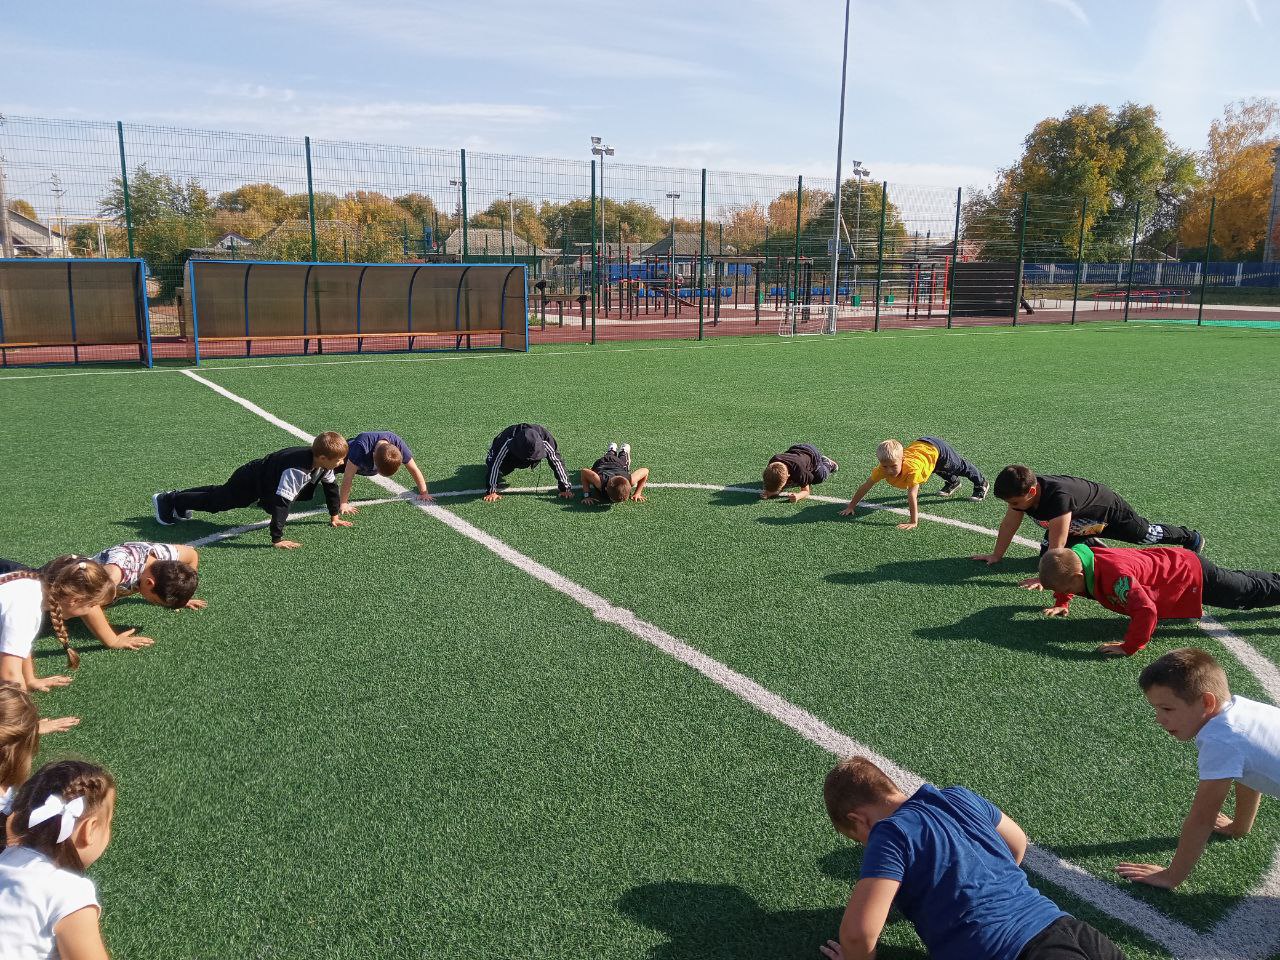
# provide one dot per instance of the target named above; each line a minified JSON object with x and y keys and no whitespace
{"x":265,"y":200}
{"x":1236,"y":169}
{"x":1115,"y":160}
{"x":782,"y":210}
{"x":529,"y":225}
{"x":168,"y":217}
{"x":746,"y":227}
{"x":23,"y":209}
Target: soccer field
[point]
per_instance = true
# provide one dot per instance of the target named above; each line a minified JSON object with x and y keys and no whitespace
{"x":538,"y":729}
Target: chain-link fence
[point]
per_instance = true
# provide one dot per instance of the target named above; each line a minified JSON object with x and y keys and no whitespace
{"x":613,"y":250}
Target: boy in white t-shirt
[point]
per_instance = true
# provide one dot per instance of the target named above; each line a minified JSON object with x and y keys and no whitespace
{"x":161,"y":573}
{"x":1238,"y":742}
{"x":60,"y":826}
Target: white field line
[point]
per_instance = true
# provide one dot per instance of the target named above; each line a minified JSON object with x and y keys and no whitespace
{"x":728,"y":342}
{"x":1250,"y":932}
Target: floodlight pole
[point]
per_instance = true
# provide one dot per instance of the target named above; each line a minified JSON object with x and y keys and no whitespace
{"x":601,"y":149}
{"x":6,"y":245}
{"x":835,"y":228}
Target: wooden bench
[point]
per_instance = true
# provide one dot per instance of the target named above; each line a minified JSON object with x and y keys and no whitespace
{"x":320,"y":338}
{"x":75,"y":345}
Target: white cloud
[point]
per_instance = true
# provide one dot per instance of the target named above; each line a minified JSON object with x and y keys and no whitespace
{"x":252,"y":91}
{"x":1073,"y":8}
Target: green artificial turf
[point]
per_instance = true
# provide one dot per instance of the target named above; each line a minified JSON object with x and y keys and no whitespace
{"x":391,"y":742}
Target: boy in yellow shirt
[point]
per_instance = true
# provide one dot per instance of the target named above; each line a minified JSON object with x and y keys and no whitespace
{"x":908,"y":469}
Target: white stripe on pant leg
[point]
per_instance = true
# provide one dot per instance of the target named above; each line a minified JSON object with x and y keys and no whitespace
{"x":1155,"y":533}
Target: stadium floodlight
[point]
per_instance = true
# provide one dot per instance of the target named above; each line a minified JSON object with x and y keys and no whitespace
{"x":835,"y":227}
{"x":601,"y":149}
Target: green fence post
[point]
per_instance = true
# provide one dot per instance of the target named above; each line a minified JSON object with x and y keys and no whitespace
{"x":955,"y":256}
{"x":595,"y":257}
{"x":793,"y":292}
{"x":1022,"y":249}
{"x":1075,"y":290}
{"x":702,"y":257}
{"x":311,"y":202}
{"x":1204,"y":267}
{"x":884,"y":212}
{"x":466,"y":247}
{"x":124,"y":188}
{"x":425,"y":246}
{"x":1133,"y":255}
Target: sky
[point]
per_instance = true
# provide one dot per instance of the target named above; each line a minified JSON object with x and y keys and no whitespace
{"x":940,"y":91}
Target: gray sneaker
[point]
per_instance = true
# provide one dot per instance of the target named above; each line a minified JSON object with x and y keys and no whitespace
{"x":950,"y":487}
{"x":162,"y":503}
{"x":980,"y":491}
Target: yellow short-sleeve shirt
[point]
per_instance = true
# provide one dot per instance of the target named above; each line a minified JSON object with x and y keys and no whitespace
{"x":918,"y":461}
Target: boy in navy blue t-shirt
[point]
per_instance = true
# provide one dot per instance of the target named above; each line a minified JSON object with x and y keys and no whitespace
{"x":949,"y":861}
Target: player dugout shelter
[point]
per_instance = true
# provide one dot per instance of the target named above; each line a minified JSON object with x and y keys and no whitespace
{"x":73,"y":311}
{"x":242,"y":308}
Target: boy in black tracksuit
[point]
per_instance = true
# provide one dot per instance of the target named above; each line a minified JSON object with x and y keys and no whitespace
{"x":1073,"y":510}
{"x":273,"y":483}
{"x":523,"y":445}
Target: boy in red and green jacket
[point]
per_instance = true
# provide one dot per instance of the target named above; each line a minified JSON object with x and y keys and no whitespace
{"x":1160,"y":583}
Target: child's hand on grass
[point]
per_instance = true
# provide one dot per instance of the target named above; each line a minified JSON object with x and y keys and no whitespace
{"x":832,"y":949}
{"x":194,"y":604}
{"x":45,"y":684}
{"x":638,"y":497}
{"x":57,"y":724}
{"x":1112,"y":650}
{"x":793,"y":498}
{"x":565,"y":494}
{"x":348,"y":508}
{"x":589,"y":501}
{"x":491,"y":497}
{"x":847,"y":511}
{"x":1057,"y":610}
{"x":425,"y":497}
{"x":1226,"y":827}
{"x":128,"y":640}
{"x":1147,"y":873}
{"x":987,"y":558}
{"x":339,"y":522}
{"x":286,"y":545}
{"x":909,"y":525}
{"x":1031,"y":583}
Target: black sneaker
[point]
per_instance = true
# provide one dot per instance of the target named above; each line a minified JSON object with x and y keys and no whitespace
{"x":1195,"y":543}
{"x":980,"y":491}
{"x":832,"y":466}
{"x":163,"y":505}
{"x":951,"y":487}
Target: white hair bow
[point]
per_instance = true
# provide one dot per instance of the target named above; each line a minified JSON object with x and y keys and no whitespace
{"x":53,"y":806}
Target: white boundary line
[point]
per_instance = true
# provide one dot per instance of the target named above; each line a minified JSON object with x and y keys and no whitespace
{"x":1251,"y":931}
{"x":743,"y":341}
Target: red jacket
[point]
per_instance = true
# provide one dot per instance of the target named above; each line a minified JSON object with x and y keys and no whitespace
{"x":1159,"y":583}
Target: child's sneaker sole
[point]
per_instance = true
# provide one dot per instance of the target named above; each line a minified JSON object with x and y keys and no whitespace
{"x":980,"y":493}
{"x":155,"y":505}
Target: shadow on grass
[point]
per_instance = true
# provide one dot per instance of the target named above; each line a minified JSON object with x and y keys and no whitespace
{"x":1023,"y":629}
{"x":934,"y":571}
{"x":718,"y":921}
{"x":738,"y":498}
{"x":1158,"y":847}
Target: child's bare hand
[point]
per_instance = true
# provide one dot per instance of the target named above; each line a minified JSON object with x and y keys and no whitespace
{"x":832,"y":949}
{"x":767,"y":496}
{"x":57,"y":724}
{"x":987,"y":558}
{"x":1112,"y":650}
{"x":1147,"y":873}
{"x":45,"y":684}
{"x":793,"y":498}
{"x":1031,"y":583}
{"x":638,"y":497}
{"x":1227,"y":827}
{"x":425,"y":497}
{"x":128,"y":640}
{"x":910,"y":525}
{"x":1057,"y":610}
{"x":589,"y":501}
{"x":491,"y":497}
{"x":349,"y":508}
{"x":194,"y":604}
{"x":565,"y":494}
{"x":286,"y":545}
{"x":339,"y":522}
{"x":847,"y":511}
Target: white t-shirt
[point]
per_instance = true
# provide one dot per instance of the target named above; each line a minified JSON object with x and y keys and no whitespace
{"x":34,"y":895}
{"x":21,"y":612}
{"x":1242,"y":743}
{"x":131,"y":557}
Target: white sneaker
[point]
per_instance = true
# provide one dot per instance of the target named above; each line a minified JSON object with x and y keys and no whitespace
{"x":626,"y":454}
{"x":613,"y":448}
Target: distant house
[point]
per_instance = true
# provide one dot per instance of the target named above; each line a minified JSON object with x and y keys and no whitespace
{"x":484,"y":241}
{"x":31,"y":238}
{"x":232,"y":242}
{"x":687,"y":247}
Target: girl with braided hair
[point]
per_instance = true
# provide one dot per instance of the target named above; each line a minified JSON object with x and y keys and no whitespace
{"x":67,"y":586}
{"x":60,"y":826}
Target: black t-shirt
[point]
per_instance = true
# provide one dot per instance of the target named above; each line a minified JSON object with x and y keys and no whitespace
{"x":609,"y":466}
{"x":801,"y":466}
{"x":1092,"y":505}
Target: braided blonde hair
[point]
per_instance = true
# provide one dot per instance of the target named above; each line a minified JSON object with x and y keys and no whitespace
{"x":69,"y":582}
